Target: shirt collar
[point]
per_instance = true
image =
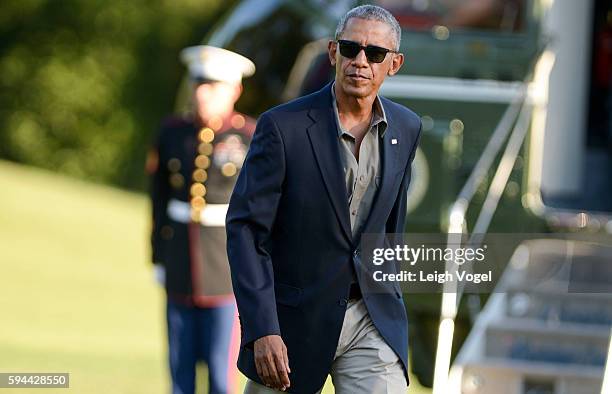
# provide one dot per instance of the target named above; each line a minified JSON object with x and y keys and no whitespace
{"x":378,"y":117}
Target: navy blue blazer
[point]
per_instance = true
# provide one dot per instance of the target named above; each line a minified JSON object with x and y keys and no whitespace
{"x":289,"y":241}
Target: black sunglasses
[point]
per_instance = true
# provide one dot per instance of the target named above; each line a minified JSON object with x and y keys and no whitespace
{"x":374,"y":54}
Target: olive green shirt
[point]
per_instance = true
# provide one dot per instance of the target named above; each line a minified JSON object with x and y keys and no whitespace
{"x":362,"y":176}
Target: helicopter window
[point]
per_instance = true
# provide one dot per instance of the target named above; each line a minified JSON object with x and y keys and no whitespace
{"x":501,"y":15}
{"x":272,"y":56}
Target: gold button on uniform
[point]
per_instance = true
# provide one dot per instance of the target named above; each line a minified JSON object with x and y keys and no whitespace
{"x":207,"y":135}
{"x":198,"y":202}
{"x":197,"y":189}
{"x":202,"y":161}
{"x":167,"y":232}
{"x":195,"y":215}
{"x":176,"y":180}
{"x":174,"y":164}
{"x":200,"y":175}
{"x":205,"y":148}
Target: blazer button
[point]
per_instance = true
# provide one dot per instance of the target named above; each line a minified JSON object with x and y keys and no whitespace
{"x":343,"y":302}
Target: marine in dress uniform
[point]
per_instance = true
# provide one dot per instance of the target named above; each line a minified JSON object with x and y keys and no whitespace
{"x":194,"y":166}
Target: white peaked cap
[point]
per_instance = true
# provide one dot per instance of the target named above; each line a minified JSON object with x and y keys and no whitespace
{"x":216,"y":64}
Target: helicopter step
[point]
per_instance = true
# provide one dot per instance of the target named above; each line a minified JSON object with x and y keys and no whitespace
{"x":546,"y":328}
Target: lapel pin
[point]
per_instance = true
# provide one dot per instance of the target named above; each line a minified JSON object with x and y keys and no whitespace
{"x":393,"y":141}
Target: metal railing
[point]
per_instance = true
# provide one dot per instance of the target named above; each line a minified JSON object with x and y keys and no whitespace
{"x":534,"y":93}
{"x":532,"y":100}
{"x":514,"y":122}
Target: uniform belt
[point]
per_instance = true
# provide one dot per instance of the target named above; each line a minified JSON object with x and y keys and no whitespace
{"x":354,"y":292}
{"x":213,"y":215}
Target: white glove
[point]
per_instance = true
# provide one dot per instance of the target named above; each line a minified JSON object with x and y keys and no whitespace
{"x":159,"y":274}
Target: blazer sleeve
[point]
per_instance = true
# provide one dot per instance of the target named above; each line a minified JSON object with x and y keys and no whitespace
{"x":250,"y":218}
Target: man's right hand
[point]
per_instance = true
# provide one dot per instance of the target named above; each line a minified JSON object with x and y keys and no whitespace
{"x":272,"y":362}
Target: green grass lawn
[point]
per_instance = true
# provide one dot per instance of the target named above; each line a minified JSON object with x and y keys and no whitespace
{"x":76,"y":289}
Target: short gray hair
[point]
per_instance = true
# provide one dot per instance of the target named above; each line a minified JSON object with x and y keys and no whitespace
{"x":371,"y":12}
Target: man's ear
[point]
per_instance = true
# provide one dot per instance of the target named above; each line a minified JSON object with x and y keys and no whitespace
{"x":396,"y":63}
{"x":331,"y":51}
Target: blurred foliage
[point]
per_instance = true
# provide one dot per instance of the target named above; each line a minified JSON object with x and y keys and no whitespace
{"x":84,"y":84}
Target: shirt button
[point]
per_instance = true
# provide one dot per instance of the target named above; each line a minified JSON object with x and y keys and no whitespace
{"x":354,"y":213}
{"x":361,"y":178}
{"x":356,"y":253}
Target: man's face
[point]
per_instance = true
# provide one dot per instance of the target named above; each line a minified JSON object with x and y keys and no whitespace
{"x":358,"y":77}
{"x":215,"y":98}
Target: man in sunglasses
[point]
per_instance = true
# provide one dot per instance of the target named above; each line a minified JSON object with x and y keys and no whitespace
{"x":321,"y":171}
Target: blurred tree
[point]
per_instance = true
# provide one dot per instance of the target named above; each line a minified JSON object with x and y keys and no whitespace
{"x":84,"y":84}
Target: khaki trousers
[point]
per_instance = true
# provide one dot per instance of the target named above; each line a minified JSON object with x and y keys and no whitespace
{"x":363,"y":364}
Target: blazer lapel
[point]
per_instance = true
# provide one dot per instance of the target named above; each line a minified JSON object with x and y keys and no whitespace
{"x":325,"y":144}
{"x":390,"y":168}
